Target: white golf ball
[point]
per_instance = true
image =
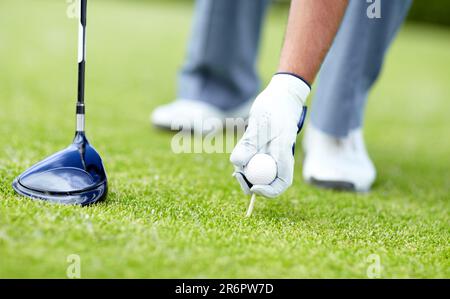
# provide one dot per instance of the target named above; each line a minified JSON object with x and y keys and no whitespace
{"x":261,"y":170}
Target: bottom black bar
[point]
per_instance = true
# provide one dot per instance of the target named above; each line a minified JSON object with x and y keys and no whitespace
{"x":213,"y":288}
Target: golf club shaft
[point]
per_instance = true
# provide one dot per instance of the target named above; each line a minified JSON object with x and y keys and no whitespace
{"x":81,"y":66}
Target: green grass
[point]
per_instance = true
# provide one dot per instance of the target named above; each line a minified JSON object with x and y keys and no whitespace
{"x":173,"y":215}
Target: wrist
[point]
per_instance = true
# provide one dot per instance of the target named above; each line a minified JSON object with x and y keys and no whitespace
{"x":295,"y":85}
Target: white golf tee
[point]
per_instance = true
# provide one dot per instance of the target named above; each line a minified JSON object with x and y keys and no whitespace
{"x":250,"y":207}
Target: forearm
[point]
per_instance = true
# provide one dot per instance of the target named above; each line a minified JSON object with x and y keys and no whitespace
{"x":311,"y":28}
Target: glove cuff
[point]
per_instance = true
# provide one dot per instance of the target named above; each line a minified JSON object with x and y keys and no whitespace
{"x":296,"y":76}
{"x":294,"y":84}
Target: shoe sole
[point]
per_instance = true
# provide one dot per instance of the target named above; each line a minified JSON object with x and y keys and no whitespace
{"x":334,"y":185}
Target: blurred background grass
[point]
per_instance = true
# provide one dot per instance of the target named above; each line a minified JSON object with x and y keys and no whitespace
{"x":181,"y":215}
{"x":431,"y":11}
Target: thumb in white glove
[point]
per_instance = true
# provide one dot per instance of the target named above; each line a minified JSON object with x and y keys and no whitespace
{"x":276,"y":117}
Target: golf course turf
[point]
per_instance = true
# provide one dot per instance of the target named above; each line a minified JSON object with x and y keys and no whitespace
{"x":182,"y":215}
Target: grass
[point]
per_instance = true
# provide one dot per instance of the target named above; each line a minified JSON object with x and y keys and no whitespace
{"x":173,"y":215}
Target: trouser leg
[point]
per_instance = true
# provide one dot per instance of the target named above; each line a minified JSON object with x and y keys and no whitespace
{"x":353,"y":64}
{"x":220,"y":66}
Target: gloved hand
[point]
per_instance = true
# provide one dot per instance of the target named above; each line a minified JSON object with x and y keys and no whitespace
{"x":275,"y":119}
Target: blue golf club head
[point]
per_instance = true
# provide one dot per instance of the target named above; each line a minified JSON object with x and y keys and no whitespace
{"x":74,"y":175}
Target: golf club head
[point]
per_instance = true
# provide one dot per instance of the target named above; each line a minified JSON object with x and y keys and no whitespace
{"x":74,"y":175}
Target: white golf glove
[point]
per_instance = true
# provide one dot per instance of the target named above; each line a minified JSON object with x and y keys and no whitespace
{"x":276,"y":117}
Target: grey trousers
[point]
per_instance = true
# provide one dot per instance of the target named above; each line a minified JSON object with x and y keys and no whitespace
{"x":220,"y":66}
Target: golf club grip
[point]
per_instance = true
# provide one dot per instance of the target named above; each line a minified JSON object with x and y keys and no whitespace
{"x":83,"y":12}
{"x":81,"y":56}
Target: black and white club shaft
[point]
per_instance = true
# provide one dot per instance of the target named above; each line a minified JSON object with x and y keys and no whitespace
{"x":81,"y":66}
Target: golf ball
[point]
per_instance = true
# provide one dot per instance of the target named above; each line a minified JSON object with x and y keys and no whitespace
{"x":261,"y":170}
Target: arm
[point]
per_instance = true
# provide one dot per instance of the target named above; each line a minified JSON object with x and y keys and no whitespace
{"x":276,"y":113}
{"x":311,"y":28}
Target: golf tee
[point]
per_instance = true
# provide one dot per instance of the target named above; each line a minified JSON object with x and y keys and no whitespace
{"x":250,"y":207}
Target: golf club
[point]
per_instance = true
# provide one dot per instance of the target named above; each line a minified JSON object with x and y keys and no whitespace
{"x":76,"y":174}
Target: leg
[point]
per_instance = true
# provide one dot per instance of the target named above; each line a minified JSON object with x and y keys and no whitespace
{"x":353,"y":64}
{"x":220,"y":64}
{"x":336,"y":156}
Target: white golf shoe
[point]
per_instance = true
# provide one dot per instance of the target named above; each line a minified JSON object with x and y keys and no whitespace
{"x":193,"y":115}
{"x":337,"y":163}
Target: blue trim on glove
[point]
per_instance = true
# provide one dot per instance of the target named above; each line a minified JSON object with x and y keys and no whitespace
{"x":300,"y":124}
